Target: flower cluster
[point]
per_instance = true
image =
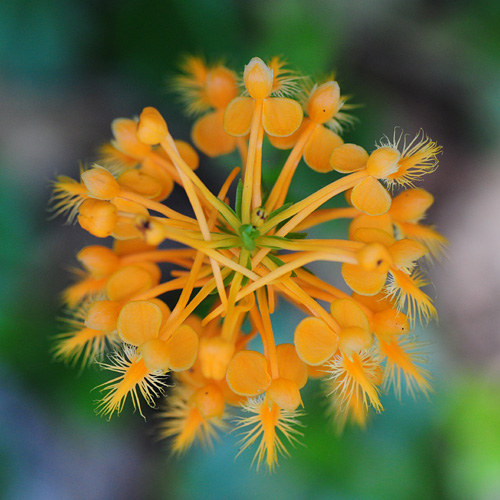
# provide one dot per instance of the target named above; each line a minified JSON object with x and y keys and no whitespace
{"x":233,"y":257}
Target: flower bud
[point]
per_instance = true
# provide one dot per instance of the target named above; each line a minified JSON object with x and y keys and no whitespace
{"x":258,"y":78}
{"x":221,"y":87}
{"x":324,"y":102}
{"x":103,"y":315}
{"x":152,"y":128}
{"x":210,"y":401}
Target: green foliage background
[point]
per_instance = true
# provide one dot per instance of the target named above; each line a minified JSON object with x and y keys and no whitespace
{"x":67,"y":68}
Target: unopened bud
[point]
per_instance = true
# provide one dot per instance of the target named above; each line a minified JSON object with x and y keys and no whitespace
{"x":258,"y":78}
{"x":152,"y":128}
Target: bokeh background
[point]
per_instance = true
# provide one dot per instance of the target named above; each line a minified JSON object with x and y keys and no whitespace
{"x":68,"y":67}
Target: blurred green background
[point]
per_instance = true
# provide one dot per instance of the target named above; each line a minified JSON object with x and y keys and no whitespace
{"x":69,"y":67}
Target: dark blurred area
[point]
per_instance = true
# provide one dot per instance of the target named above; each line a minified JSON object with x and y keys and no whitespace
{"x":69,"y":67}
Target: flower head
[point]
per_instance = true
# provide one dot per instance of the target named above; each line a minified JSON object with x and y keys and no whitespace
{"x":242,"y":249}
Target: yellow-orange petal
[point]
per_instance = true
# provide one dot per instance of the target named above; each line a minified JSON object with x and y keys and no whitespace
{"x":373,"y":235}
{"x":354,"y":339}
{"x":141,"y":183}
{"x":383,"y":162}
{"x":127,"y":247}
{"x":382,"y":222}
{"x":348,"y":158}
{"x":290,"y":365}
{"x":156,"y":355}
{"x":405,"y":252}
{"x":151,"y":168}
{"x":128,"y":206}
{"x":209,"y":136}
{"x":247,"y":373}
{"x":125,"y":133}
{"x":165,"y":310}
{"x":128,"y":281}
{"x":98,"y":260}
{"x":411,"y":205}
{"x":152,"y":128}
{"x":315,"y":341}
{"x":371,"y":197}
{"x":289,"y":141}
{"x":103,"y":315}
{"x":285,"y":393}
{"x":125,"y":229}
{"x":238,"y":116}
{"x":187,"y":153}
{"x":100,"y":183}
{"x":376,"y":303}
{"x":281,"y":116}
{"x":361,"y":281}
{"x":319,"y":149}
{"x":152,"y":268}
{"x":183,"y":347}
{"x":347,"y":313}
{"x":139,"y":321}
